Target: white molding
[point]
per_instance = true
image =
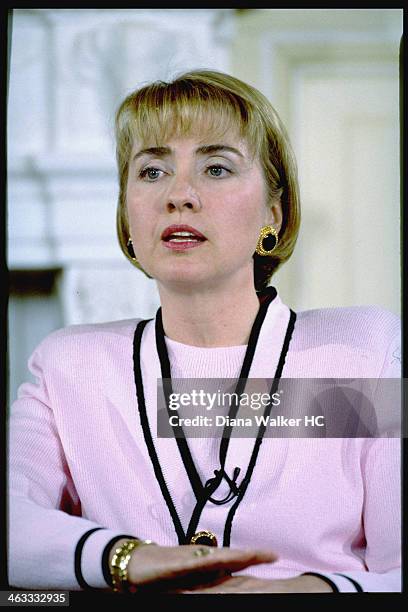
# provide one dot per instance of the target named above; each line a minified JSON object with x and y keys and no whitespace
{"x":323,"y":47}
{"x":292,"y":49}
{"x":334,"y":20}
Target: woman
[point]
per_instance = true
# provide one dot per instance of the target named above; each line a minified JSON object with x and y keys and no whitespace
{"x":209,"y":208}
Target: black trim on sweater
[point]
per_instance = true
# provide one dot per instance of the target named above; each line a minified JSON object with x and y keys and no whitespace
{"x":244,"y":485}
{"x":182,"y":444}
{"x":78,"y":558}
{"x":357,"y":586}
{"x":105,"y":556}
{"x":148,"y":434}
{"x":203,"y":493}
{"x":268,"y":296}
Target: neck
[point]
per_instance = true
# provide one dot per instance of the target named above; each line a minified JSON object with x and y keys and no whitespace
{"x":221,"y":316}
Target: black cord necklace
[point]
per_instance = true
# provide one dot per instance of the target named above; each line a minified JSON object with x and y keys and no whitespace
{"x":204,"y":492}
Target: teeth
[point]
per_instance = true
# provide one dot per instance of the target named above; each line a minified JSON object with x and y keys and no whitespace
{"x":183,"y":234}
{"x":183,"y":237}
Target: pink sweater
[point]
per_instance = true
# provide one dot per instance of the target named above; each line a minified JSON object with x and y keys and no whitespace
{"x":78,"y":459}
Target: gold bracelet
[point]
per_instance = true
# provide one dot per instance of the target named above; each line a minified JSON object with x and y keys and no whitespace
{"x":119,"y":563}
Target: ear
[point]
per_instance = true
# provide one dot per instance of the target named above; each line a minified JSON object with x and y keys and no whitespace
{"x":274,"y":215}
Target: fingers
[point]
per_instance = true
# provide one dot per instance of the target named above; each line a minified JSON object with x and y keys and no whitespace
{"x":236,"y":559}
{"x":232,"y":584}
{"x":233,"y":560}
{"x":154,"y":563}
{"x":186,"y":583}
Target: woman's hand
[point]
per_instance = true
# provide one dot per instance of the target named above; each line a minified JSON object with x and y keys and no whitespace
{"x":169,"y":568}
{"x":249,"y":584}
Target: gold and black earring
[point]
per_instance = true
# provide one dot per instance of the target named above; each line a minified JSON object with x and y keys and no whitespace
{"x":131,"y":250}
{"x":267,"y":241}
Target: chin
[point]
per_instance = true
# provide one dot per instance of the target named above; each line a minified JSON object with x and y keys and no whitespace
{"x":183,"y":274}
{"x":183,"y":278}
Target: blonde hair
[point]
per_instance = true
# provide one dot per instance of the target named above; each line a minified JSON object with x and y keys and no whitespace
{"x":216,"y":102}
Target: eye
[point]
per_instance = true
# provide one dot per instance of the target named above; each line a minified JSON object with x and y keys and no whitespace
{"x":217,"y":170}
{"x":150,"y":173}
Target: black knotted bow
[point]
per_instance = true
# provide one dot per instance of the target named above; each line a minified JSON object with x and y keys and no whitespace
{"x":234,"y":489}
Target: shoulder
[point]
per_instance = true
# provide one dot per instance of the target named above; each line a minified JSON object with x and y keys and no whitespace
{"x":369,"y":327}
{"x":81,"y":341}
{"x":92,"y":331}
{"x":346,"y":321}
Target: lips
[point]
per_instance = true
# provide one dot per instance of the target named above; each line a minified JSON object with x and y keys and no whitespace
{"x":178,"y":234}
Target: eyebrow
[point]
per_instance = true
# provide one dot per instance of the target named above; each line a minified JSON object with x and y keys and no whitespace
{"x":203,"y":150}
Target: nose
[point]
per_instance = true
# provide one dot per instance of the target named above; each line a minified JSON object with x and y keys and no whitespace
{"x":182,"y":195}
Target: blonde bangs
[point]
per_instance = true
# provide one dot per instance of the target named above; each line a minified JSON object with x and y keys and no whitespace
{"x":159,"y":113}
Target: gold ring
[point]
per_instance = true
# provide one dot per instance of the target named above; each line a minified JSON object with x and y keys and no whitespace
{"x":208,"y":538}
{"x":202,"y":552}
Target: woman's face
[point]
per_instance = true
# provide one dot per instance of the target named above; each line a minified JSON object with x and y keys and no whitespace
{"x":211,"y":191}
